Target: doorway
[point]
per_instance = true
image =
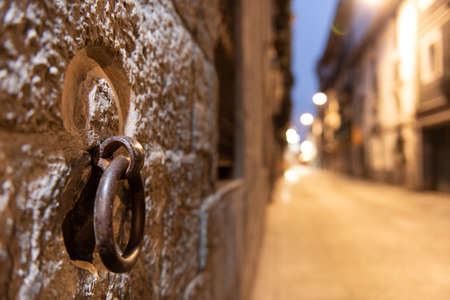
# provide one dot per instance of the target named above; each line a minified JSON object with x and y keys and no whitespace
{"x":437,"y":158}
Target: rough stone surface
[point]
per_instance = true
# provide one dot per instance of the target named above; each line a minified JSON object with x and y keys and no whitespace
{"x":200,"y":17}
{"x":75,"y":72}
{"x":223,"y":241}
{"x":157,"y":53}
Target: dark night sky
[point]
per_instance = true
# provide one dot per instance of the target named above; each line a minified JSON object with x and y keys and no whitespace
{"x":311,"y":28}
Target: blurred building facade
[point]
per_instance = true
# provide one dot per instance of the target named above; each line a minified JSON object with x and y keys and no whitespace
{"x":202,"y":85}
{"x":386,"y":73}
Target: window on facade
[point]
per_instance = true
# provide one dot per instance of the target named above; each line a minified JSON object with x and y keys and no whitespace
{"x":431,"y":56}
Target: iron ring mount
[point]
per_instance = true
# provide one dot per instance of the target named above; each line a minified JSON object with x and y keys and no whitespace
{"x":115,"y":170}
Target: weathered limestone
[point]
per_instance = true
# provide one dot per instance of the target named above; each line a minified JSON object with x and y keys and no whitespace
{"x":75,"y":72}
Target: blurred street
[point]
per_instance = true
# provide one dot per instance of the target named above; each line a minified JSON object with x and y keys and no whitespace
{"x":334,"y":237}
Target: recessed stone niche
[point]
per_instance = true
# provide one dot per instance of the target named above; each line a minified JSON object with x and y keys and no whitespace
{"x":95,"y":98}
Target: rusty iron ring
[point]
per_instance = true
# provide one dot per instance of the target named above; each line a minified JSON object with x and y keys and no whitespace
{"x":114,"y":170}
{"x":103,"y":217}
{"x":135,"y":151}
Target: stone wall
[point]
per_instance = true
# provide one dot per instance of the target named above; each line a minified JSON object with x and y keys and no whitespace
{"x":75,"y":72}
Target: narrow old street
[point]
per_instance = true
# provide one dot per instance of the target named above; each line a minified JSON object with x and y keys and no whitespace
{"x":339,"y":238}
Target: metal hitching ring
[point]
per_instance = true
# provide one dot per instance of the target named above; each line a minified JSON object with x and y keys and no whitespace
{"x":120,"y":168}
{"x":135,"y":151}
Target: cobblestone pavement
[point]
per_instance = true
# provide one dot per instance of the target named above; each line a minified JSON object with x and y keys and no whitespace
{"x":332,"y":237}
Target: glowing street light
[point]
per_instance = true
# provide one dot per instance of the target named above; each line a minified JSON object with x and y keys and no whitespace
{"x":307,"y":147}
{"x":292,"y":136}
{"x":306,"y":157}
{"x":291,"y":175}
{"x":308,"y":151}
{"x":319,"y":98}
{"x":306,"y":119}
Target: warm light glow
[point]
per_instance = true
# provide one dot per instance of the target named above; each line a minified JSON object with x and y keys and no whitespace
{"x":307,"y":147}
{"x":292,"y":136}
{"x":306,"y":119}
{"x":406,"y":32}
{"x":333,"y":119}
{"x":423,"y":4}
{"x":307,"y":157}
{"x":319,"y":98}
{"x":317,"y":128}
{"x":308,"y":151}
{"x":297,"y":172}
{"x":291,"y":175}
{"x":294,"y":148}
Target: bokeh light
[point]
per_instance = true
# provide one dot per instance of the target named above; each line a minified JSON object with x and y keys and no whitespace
{"x":308,"y":151}
{"x":306,"y":119}
{"x":307,"y":147}
{"x":307,"y":157}
{"x":319,"y":98}
{"x":292,"y":136}
{"x":291,"y":175}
